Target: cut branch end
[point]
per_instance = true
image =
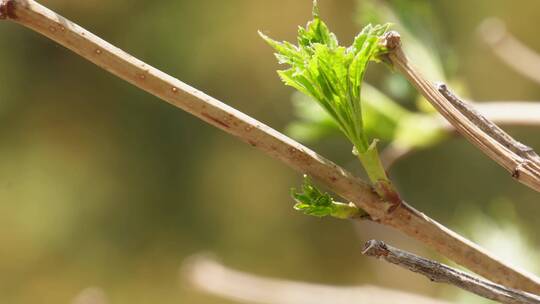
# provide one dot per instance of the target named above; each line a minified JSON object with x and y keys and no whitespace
{"x":7,"y":9}
{"x":441,"y":273}
{"x":375,"y":248}
{"x":391,"y":40}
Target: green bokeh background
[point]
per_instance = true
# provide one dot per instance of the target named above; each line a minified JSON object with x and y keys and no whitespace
{"x":104,"y":185}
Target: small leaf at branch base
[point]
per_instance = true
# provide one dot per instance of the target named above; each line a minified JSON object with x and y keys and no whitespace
{"x":316,"y":203}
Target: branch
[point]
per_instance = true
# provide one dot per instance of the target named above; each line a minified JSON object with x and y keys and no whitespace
{"x":405,"y":218}
{"x":209,"y":276}
{"x":440,"y":273}
{"x":504,"y":113}
{"x":518,"y":159}
{"x":510,"y":50}
{"x":489,"y":129}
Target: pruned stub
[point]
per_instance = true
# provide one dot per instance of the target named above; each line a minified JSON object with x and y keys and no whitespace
{"x":391,"y":40}
{"x":375,"y":248}
{"x":7,"y":9}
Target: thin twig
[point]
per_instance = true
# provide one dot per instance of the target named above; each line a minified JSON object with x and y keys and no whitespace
{"x":524,"y":169}
{"x":488,"y":127}
{"x":503,"y":113}
{"x":405,"y":218}
{"x":214,"y":278}
{"x":440,"y":273}
{"x":510,"y":50}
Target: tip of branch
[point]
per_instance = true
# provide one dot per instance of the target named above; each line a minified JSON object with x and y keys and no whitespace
{"x":375,"y":248}
{"x":7,"y":9}
{"x":391,"y":40}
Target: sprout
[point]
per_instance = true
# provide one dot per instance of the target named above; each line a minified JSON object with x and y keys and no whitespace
{"x":313,"y":202}
{"x":331,"y":74}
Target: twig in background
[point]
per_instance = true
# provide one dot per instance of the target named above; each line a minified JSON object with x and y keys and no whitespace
{"x":91,"y":295}
{"x":509,"y":49}
{"x":488,"y":127}
{"x":511,"y":113}
{"x":524,"y":169}
{"x":504,"y":113}
{"x":392,"y":153}
{"x":405,"y":218}
{"x":209,"y":276}
{"x":444,"y":274}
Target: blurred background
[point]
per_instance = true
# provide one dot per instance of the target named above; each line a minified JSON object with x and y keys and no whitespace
{"x":106,"y":192}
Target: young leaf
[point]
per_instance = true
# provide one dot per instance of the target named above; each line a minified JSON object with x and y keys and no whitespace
{"x":381,"y":117}
{"x":313,"y":202}
{"x":329,"y":73}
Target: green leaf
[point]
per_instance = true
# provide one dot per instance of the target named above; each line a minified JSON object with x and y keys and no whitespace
{"x":331,"y":74}
{"x":312,"y":123}
{"x":316,"y":203}
{"x":316,"y":32}
{"x":381,"y":117}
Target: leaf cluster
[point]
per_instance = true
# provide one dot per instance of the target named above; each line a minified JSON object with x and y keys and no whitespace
{"x":329,"y":73}
{"x":396,"y":114}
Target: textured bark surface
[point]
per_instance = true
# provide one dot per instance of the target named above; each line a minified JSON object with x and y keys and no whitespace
{"x":440,"y":273}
